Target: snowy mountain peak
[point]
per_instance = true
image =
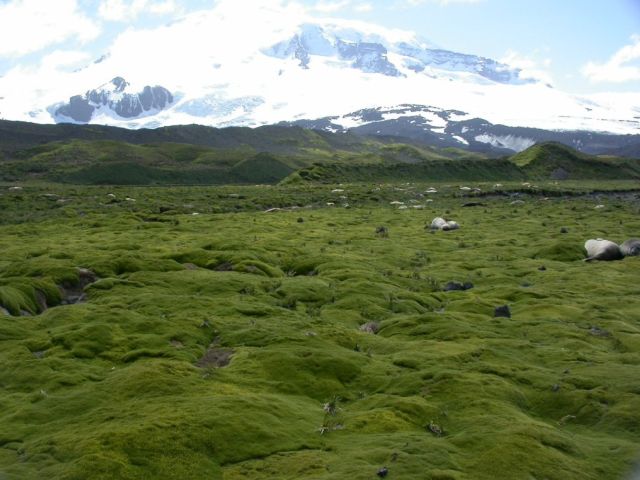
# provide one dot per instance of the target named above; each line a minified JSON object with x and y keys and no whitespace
{"x":112,"y":99}
{"x":369,"y":53}
{"x":313,"y":40}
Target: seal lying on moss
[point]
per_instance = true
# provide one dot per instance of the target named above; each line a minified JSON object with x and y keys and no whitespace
{"x":631,"y":247}
{"x":600,"y":249}
{"x":440,"y":223}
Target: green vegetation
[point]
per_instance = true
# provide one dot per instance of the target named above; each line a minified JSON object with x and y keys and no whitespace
{"x":559,"y":162}
{"x":115,"y":163}
{"x":218,"y":340}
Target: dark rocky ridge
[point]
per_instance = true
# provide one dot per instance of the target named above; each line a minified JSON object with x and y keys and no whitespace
{"x":113,"y":95}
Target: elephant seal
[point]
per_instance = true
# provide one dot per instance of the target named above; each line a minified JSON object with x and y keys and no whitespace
{"x":451,"y":225}
{"x":440,"y":223}
{"x":600,"y":249}
{"x":631,"y":247}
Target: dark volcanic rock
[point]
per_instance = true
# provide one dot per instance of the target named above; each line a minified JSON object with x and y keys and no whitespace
{"x":502,"y":311}
{"x":452,"y":286}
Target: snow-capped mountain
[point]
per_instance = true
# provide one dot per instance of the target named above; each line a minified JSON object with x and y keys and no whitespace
{"x":453,"y":128}
{"x":369,"y":54}
{"x":113,"y":99}
{"x":212,"y":68}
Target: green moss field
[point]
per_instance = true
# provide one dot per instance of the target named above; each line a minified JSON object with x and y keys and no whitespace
{"x":307,"y":331}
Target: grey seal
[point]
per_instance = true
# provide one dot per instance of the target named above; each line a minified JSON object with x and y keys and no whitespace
{"x":440,"y":223}
{"x":600,"y":249}
{"x":631,"y":247}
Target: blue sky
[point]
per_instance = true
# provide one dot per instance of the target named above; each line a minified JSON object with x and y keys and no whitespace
{"x":582,"y":46}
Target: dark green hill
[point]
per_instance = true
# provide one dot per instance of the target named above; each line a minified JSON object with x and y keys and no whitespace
{"x":556,"y":161}
{"x":194,"y":154}
{"x":189,"y":154}
{"x":17,"y":136}
{"x":428,"y":170}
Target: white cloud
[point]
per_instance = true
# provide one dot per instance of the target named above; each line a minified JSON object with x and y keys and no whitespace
{"x":122,"y":10}
{"x":28,"y":26}
{"x":363,"y":7}
{"x":325,"y":6}
{"x":443,"y":3}
{"x":60,"y":60}
{"x":619,"y":68}
{"x":531,"y":67}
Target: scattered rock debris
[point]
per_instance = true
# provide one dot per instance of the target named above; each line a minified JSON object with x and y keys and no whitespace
{"x":502,"y":311}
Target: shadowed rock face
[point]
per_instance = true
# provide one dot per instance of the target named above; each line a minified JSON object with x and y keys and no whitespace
{"x":368,"y":57}
{"x":114,"y":96}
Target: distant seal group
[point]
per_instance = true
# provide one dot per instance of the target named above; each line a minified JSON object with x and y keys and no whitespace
{"x":600,"y":249}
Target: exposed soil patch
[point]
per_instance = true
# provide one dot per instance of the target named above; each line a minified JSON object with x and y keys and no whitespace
{"x":215,"y":356}
{"x":74,"y":293}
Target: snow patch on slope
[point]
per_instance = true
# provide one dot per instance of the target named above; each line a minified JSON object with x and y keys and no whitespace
{"x":511,"y":142}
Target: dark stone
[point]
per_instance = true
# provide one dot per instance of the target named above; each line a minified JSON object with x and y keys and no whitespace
{"x":224,"y":267}
{"x":382,"y":231}
{"x":502,"y":311}
{"x":564,"y":230}
{"x":453,"y":286}
{"x":598,"y":332}
{"x":473,"y":204}
{"x":542,"y":268}
{"x":383,"y":472}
